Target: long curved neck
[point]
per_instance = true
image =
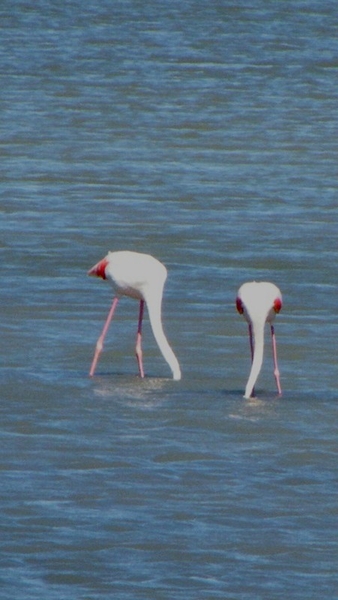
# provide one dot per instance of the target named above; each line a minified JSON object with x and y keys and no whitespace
{"x":258,"y":350}
{"x":154,"y":309}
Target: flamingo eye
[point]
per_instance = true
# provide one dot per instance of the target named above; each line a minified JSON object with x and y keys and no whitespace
{"x":277,"y":305}
{"x":239,"y":305}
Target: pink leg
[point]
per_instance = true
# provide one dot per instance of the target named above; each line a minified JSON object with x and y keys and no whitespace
{"x":99,"y":343}
{"x":252,"y":352}
{"x":274,"y":351}
{"x":251,"y":342}
{"x":138,"y":348}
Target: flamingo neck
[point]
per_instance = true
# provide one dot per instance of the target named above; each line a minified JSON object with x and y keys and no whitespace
{"x":258,"y":351}
{"x":154,"y":309}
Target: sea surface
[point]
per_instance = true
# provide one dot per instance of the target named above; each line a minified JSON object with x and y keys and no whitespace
{"x":204,"y":133}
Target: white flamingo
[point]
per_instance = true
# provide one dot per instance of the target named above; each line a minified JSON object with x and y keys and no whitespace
{"x":259,"y":302}
{"x":142,"y":277}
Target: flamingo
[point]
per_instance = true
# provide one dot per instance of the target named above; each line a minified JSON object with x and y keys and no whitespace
{"x":259,"y":302}
{"x":142,"y":277}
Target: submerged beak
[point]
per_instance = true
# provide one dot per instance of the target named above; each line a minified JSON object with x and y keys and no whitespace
{"x":99,"y":269}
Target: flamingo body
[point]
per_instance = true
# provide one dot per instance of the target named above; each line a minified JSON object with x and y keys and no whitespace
{"x":142,"y":277}
{"x":259,"y":302}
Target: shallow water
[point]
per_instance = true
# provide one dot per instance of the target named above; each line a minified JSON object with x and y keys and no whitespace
{"x":206,"y":136}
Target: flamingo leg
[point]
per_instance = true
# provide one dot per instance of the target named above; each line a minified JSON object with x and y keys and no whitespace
{"x":138,"y":347}
{"x":251,"y":342}
{"x":252,"y":350}
{"x":99,"y":343}
{"x":274,"y":351}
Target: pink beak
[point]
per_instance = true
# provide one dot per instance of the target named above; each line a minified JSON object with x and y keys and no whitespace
{"x":99,"y":269}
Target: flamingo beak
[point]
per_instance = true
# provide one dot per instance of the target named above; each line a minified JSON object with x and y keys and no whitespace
{"x":99,"y":269}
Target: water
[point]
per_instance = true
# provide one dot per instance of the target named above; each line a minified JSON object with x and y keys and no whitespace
{"x":204,"y":134}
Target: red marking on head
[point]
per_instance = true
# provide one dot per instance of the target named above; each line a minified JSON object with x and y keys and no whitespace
{"x":239,"y":305}
{"x":99,"y":269}
{"x":277,"y":305}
